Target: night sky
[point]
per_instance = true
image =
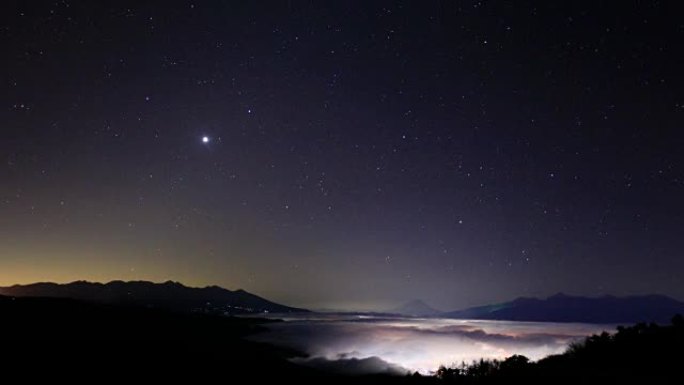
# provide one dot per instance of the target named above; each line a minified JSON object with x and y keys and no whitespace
{"x":345,"y":154}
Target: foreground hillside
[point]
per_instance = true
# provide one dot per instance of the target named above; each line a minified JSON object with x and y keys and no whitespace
{"x":64,"y":338}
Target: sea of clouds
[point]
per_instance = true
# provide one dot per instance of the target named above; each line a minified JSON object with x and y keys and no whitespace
{"x":367,"y":344}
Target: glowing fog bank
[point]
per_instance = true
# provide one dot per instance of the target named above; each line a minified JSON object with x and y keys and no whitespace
{"x":371,"y":344}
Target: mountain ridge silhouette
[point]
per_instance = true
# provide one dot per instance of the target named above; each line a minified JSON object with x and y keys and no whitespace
{"x":170,"y":295}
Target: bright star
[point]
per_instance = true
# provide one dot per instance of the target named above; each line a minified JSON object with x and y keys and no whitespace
{"x":205,"y":139}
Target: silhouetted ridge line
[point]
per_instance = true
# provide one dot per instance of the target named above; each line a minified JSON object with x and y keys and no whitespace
{"x":168,"y":295}
{"x":561,"y":307}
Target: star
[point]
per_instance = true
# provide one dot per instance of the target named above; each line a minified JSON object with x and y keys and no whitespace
{"x":205,"y":139}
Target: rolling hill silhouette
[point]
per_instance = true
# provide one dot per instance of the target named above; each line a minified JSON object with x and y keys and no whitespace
{"x":168,"y":295}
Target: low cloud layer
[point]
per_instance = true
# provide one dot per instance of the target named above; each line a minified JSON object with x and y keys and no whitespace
{"x":357,"y":345}
{"x":352,"y":366}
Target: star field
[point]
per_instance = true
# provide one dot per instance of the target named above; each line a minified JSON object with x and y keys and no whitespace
{"x":345,"y":154}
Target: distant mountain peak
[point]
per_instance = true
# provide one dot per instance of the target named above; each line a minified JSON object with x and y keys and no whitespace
{"x":416,"y":308}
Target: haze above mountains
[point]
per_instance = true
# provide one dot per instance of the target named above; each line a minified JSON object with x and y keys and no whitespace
{"x":216,"y":300}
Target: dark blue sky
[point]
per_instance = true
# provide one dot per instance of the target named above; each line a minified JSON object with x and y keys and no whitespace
{"x":359,"y":153}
